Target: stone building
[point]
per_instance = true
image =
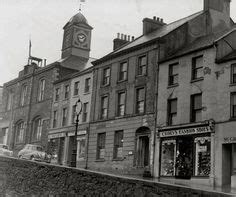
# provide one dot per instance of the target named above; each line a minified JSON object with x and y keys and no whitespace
{"x":121,"y":138}
{"x":67,"y":91}
{"x":195,"y":141}
{"x":61,"y":135}
{"x":28,"y":98}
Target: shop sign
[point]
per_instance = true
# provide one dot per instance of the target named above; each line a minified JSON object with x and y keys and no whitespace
{"x":202,"y":148}
{"x":188,"y":131}
{"x":56,"y":135}
{"x":78,"y":133}
{"x":229,"y":140}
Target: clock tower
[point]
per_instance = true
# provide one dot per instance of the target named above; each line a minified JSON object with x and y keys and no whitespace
{"x":77,"y":38}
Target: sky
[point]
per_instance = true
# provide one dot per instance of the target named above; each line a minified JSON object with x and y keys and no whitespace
{"x":42,"y":21}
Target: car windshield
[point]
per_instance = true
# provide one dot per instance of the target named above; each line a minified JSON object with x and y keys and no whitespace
{"x":3,"y":146}
{"x":39,"y":148}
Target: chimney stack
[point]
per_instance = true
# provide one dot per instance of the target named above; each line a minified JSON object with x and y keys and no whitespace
{"x":219,"y":13}
{"x":121,"y":40}
{"x":150,"y":25}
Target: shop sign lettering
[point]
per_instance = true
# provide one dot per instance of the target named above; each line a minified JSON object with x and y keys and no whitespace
{"x":229,"y":140}
{"x":56,"y":135}
{"x":189,"y":131}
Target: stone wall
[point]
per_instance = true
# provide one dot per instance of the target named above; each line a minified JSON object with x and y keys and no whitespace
{"x":26,"y":178}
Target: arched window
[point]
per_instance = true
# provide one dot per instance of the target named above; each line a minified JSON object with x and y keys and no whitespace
{"x":20,"y":132}
{"x":37,"y":129}
{"x":41,"y":90}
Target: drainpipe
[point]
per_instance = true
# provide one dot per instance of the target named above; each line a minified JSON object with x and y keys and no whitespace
{"x":155,"y":103}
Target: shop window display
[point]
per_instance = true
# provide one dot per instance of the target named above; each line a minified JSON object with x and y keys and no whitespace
{"x":184,"y":157}
{"x":168,"y":158}
{"x":202,"y":156}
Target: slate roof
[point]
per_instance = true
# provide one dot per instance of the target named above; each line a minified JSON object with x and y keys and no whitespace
{"x":164,"y":30}
{"x":231,"y":56}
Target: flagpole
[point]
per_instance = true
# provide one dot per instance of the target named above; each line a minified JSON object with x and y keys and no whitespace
{"x":30,"y":45}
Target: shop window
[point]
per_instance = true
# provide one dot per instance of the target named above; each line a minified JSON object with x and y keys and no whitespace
{"x":104,"y":107}
{"x":76,"y":88}
{"x":118,"y":145}
{"x":85,"y":112}
{"x":41,"y":90}
{"x":81,"y":148}
{"x":87,"y":85}
{"x":186,"y":156}
{"x":197,"y":67}
{"x":20,"y":132}
{"x":173,"y":74}
{"x":140,"y":100}
{"x":106,"y":75}
{"x":202,"y":156}
{"x":172,"y":111}
{"x":233,"y":105}
{"x":101,"y":145}
{"x":121,"y":104}
{"x":196,"y":107}
{"x":142,"y":65}
{"x":67,"y":90}
{"x":54,"y":121}
{"x":168,"y":156}
{"x":57,"y":94}
{"x":123,"y":71}
{"x":37,"y":129}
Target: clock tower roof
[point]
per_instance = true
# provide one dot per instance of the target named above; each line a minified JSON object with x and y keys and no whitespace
{"x":77,"y":19}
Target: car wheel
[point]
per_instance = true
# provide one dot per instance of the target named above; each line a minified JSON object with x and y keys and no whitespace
{"x":32,"y":158}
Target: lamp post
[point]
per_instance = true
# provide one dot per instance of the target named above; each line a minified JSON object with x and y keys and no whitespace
{"x":78,"y":110}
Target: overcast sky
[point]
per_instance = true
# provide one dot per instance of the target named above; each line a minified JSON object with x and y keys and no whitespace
{"x":43,"y":20}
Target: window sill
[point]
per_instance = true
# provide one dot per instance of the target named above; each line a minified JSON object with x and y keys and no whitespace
{"x":196,"y":80}
{"x":85,"y":93}
{"x":118,"y":159}
{"x":99,"y":160}
{"x":139,"y":76}
{"x":173,"y":86}
{"x":122,"y":81}
{"x":105,"y":85}
{"x":232,"y":84}
{"x":232,"y":119}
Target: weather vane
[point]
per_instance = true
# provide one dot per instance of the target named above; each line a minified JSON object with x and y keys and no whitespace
{"x":80,"y":5}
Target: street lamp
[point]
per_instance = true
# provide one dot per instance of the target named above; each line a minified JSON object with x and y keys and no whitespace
{"x":78,"y":110}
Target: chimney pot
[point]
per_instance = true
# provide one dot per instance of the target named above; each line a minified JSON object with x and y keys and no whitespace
{"x":118,"y":35}
{"x":161,"y":20}
{"x":129,"y":38}
{"x":158,"y":19}
{"x":132,"y":38}
{"x":154,"y":18}
{"x":121,"y":37}
{"x":125,"y":37}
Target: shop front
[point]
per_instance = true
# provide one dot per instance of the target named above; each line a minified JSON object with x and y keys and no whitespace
{"x":186,"y":152}
{"x":56,"y":147}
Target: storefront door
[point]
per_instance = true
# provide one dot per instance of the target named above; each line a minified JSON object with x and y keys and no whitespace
{"x":184,"y":157}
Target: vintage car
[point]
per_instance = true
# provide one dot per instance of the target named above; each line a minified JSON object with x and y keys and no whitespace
{"x":35,"y":153}
{"x":4,"y":150}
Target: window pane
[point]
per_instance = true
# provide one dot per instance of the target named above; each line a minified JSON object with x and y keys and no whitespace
{"x":233,"y":96}
{"x":140,"y":94}
{"x":168,"y":158}
{"x":198,"y":62}
{"x":197,"y":101}
{"x":202,"y":156}
{"x":198,"y":116}
{"x":173,"y":106}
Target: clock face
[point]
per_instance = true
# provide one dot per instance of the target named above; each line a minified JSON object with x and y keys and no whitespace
{"x":81,"y":37}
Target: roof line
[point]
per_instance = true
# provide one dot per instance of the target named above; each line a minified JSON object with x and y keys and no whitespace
{"x":187,"y":53}
{"x":226,"y":34}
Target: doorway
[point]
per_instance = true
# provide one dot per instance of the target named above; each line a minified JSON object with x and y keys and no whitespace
{"x":184,"y":158}
{"x":142,"y":147}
